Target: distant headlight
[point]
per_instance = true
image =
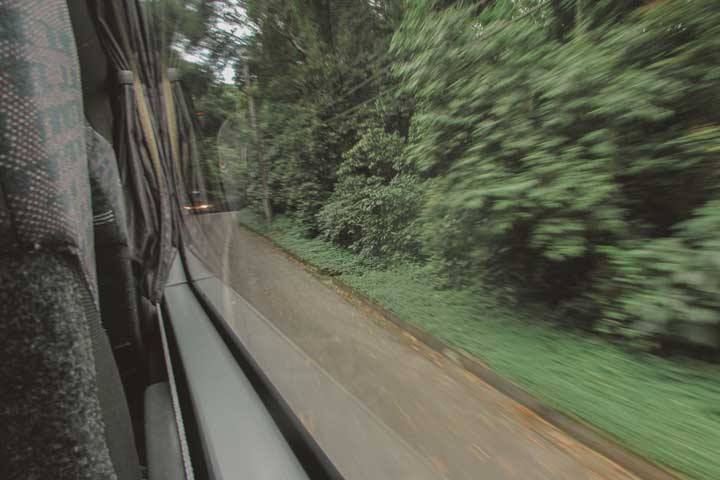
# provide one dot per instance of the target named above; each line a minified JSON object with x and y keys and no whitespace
{"x":202,"y":206}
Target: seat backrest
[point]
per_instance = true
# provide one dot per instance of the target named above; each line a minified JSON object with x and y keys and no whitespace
{"x":63,"y":413}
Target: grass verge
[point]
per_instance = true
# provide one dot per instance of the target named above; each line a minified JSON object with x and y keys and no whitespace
{"x":667,"y":411}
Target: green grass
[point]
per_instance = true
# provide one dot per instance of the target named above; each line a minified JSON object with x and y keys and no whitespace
{"x":667,"y":411}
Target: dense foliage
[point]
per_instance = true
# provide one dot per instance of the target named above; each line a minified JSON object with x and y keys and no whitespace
{"x":562,"y":152}
{"x":375,"y":202}
{"x":580,"y":168}
{"x":308,"y":57}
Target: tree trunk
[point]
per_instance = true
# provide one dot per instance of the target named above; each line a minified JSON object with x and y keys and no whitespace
{"x":262,"y":162}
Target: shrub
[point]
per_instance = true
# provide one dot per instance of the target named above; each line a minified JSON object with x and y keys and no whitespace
{"x":373,"y":206}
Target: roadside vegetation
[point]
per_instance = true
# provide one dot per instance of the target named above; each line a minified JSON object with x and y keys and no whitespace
{"x":533,"y":181}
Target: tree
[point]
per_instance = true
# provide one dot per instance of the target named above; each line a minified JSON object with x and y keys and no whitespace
{"x":574,"y":167}
{"x":262,"y":161}
{"x":308,"y":57}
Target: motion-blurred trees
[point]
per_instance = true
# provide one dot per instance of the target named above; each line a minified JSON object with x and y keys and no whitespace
{"x":563,"y":151}
{"x":575,"y":155}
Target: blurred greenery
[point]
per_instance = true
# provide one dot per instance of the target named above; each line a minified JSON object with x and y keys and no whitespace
{"x":563,"y":152}
{"x":664,"y":410}
{"x":578,"y":167}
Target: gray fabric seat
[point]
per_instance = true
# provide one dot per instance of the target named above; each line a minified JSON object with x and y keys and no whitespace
{"x":51,"y":420}
{"x":63,"y":412}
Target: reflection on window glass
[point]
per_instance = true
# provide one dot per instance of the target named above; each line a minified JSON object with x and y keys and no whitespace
{"x":417,"y":210}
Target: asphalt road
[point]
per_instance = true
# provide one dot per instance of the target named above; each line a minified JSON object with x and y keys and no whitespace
{"x":381,"y":404}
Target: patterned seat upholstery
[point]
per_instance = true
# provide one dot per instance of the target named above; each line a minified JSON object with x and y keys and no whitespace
{"x":63,"y":412}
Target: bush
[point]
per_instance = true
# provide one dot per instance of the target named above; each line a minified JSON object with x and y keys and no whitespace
{"x":668,"y":285}
{"x":373,"y":207}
